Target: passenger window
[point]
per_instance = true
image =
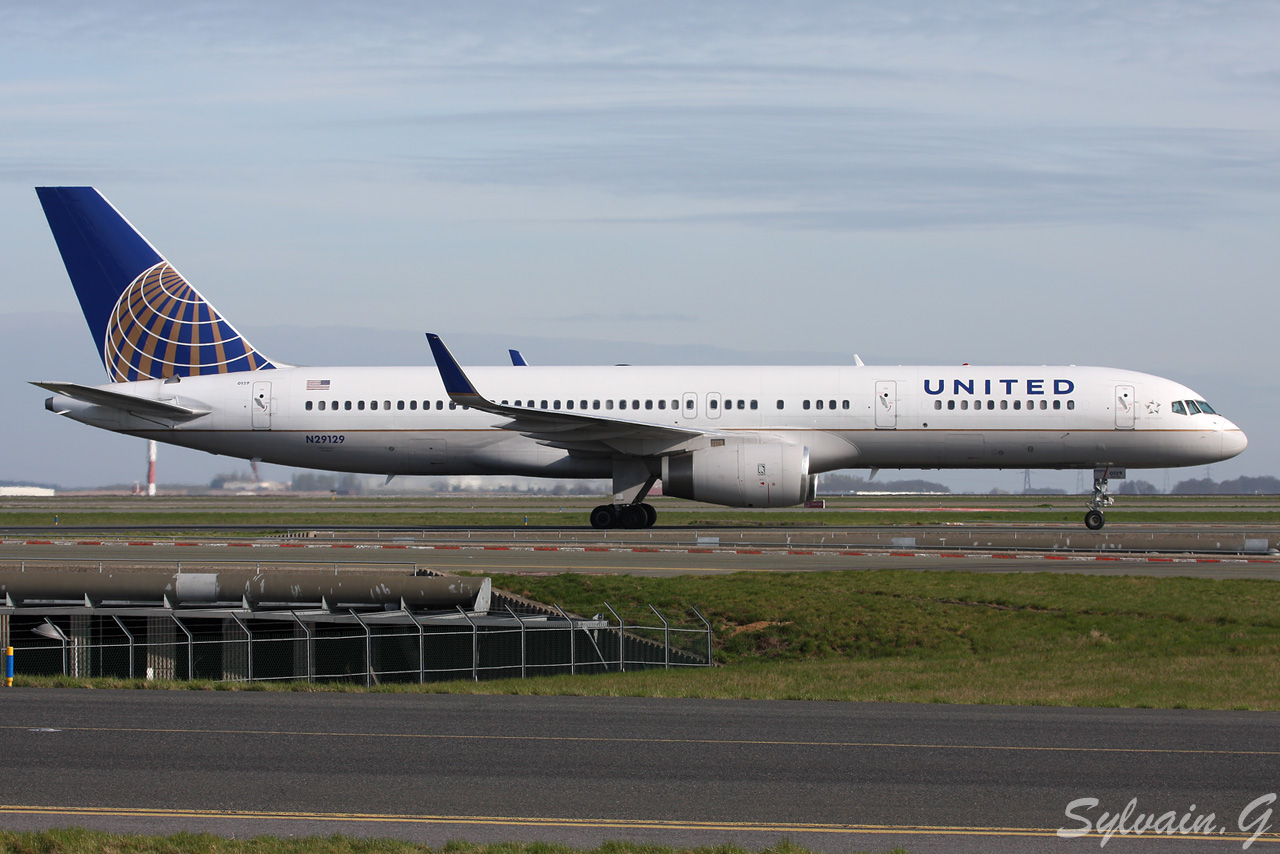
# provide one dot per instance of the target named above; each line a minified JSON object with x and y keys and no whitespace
{"x":568,"y":404}
{"x":308,"y":406}
{"x":831,"y":405}
{"x":622,"y":404}
{"x":453,"y":405}
{"x":555,"y":404}
{"x":360,"y":405}
{"x":675,"y":404}
{"x":608,"y":404}
{"x":819,"y":404}
{"x":334,"y":405}
{"x":399,"y":404}
{"x":413,"y":405}
{"x":386,"y":404}
{"x":779,"y":404}
{"x":662,"y":404}
{"x":1071,"y":404}
{"x":754,"y":405}
{"x":373,"y":404}
{"x":544,"y":404}
{"x":1004,"y":404}
{"x":439,"y":404}
{"x":937,"y":404}
{"x":635,"y":404}
{"x":595,"y":404}
{"x":1017,"y":404}
{"x":322,"y":406}
{"x":844,"y":404}
{"x":648,"y":404}
{"x":964,"y":404}
{"x":805,"y":404}
{"x":1057,"y":404}
{"x":951,"y":404}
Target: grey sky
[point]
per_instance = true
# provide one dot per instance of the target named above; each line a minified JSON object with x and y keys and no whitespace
{"x":1088,"y":183}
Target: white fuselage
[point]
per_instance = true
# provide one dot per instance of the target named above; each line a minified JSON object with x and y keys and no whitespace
{"x":399,"y":420}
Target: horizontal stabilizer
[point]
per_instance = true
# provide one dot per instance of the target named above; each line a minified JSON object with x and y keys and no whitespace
{"x":142,"y":406}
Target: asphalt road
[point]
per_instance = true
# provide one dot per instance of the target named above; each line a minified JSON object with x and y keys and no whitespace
{"x":832,"y":776}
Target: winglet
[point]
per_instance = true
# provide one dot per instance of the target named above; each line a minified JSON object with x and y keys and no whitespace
{"x":456,"y":384}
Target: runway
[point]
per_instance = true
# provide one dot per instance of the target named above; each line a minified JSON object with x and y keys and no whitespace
{"x":653,"y":559}
{"x":579,"y":771}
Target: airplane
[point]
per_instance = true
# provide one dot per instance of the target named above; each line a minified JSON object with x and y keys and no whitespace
{"x":736,"y":436}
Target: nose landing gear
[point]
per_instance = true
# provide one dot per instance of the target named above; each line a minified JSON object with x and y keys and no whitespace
{"x":1096,"y":517}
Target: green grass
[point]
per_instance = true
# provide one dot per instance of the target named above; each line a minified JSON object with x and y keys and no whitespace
{"x":141,"y":520}
{"x":953,"y":637}
{"x":80,"y":841}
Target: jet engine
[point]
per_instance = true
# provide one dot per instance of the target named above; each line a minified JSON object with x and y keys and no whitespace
{"x":741,"y":475}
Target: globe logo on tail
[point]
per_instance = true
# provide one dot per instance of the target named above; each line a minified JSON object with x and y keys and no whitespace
{"x":161,"y":327}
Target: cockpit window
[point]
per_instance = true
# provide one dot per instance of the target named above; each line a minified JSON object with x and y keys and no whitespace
{"x":1192,"y":409}
{"x":1178,"y":408}
{"x":1205,"y":408}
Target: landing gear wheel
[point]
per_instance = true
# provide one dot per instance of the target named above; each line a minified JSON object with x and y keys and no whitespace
{"x":651,"y":515}
{"x":632,"y":516}
{"x":1094,"y":520}
{"x":604,"y":517}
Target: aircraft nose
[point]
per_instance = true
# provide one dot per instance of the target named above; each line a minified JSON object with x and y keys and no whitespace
{"x":1233,"y":440}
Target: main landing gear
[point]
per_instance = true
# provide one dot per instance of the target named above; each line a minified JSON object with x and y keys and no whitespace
{"x":632,"y":481}
{"x":1096,"y":518}
{"x":624,"y":516}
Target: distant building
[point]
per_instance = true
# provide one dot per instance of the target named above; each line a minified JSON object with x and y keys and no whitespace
{"x":25,"y":492}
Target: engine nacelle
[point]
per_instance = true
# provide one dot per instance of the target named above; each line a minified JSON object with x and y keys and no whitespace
{"x":764,"y":475}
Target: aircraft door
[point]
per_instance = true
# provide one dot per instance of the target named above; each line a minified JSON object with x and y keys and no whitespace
{"x":713,"y":404}
{"x":886,"y":405}
{"x":260,"y":406}
{"x":1125,"y":406}
{"x":689,"y":406}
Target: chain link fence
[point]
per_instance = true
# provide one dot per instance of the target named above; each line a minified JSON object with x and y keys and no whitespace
{"x":369,"y":647}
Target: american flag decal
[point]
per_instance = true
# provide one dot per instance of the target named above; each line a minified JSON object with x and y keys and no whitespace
{"x":317,"y":385}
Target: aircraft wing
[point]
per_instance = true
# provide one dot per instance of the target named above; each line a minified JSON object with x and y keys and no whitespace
{"x":140,"y":406}
{"x":575,"y":431}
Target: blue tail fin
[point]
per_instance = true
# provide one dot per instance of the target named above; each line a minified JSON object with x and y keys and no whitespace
{"x":147,"y":321}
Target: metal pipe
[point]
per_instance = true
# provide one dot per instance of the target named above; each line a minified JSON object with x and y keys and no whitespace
{"x":203,"y":588}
